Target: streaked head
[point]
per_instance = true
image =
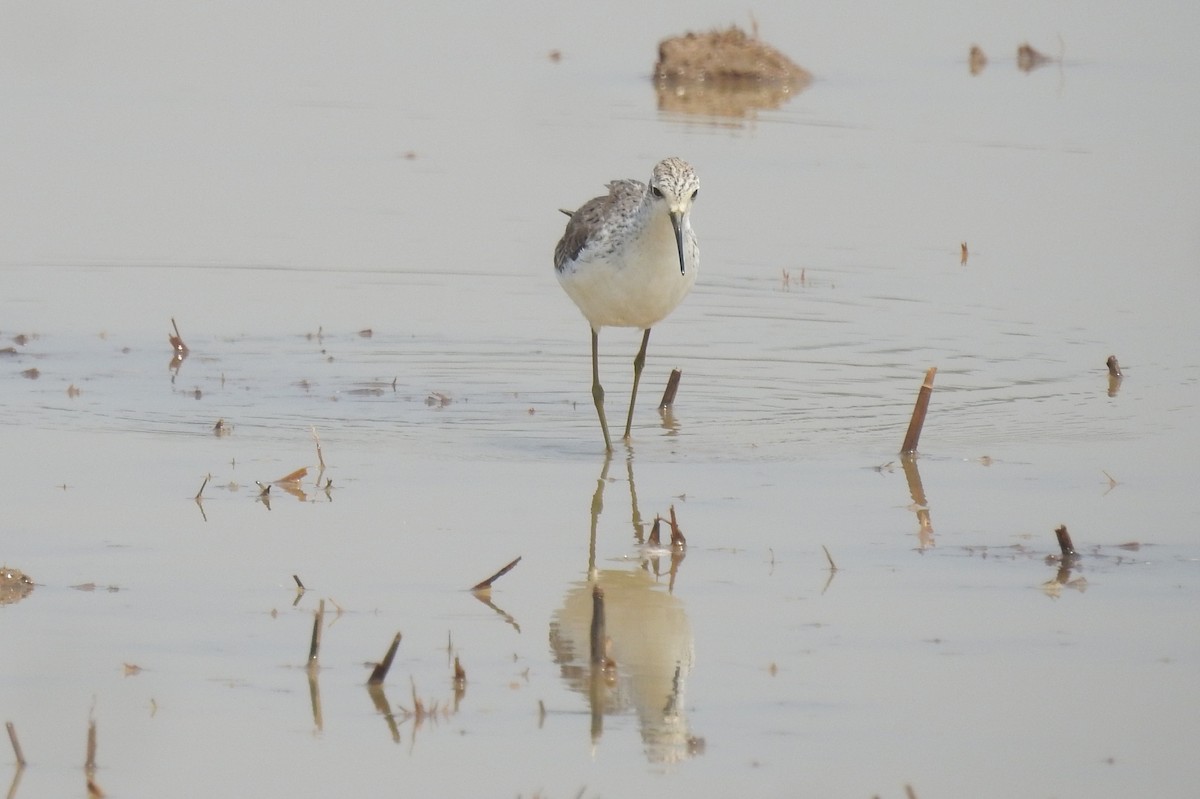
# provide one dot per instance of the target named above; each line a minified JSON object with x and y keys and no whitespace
{"x":674,"y":183}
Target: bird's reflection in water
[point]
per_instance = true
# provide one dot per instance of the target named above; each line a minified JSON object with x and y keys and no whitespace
{"x":628,"y":647}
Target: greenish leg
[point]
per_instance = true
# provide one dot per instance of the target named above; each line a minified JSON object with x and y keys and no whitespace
{"x":638,"y":363}
{"x":598,"y":390}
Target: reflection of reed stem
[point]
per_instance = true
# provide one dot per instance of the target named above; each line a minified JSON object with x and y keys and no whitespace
{"x":314,"y":697}
{"x":913,"y":475}
{"x":919,"y":411}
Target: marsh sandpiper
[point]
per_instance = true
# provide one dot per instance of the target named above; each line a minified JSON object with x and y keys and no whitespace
{"x":617,"y":260}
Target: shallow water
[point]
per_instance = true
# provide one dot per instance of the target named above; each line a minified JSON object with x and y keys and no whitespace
{"x":267,"y":202}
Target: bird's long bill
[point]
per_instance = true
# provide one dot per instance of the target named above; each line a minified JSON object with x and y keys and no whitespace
{"x":677,"y":223}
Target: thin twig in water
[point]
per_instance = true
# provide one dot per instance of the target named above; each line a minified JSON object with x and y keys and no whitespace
{"x":918,"y":415}
{"x":90,"y":764}
{"x":202,"y":485}
{"x":654,"y":540}
{"x":418,"y":710}
{"x":320,"y":457}
{"x":832,"y":566}
{"x":379,"y":673}
{"x":677,"y":539}
{"x":299,"y":584}
{"x":1065,"y":543}
{"x":314,"y":646}
{"x":16,"y":745}
{"x":668,"y":397}
{"x":177,"y":340}
{"x":294,"y":477}
{"x":487,"y":584}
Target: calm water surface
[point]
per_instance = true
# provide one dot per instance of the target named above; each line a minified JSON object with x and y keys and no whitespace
{"x":281,"y":183}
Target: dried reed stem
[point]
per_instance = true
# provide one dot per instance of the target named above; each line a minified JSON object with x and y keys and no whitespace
{"x":177,"y":341}
{"x":379,"y":673}
{"x":1065,"y":543}
{"x":314,"y":646}
{"x":90,"y":764}
{"x":486,"y":584}
{"x":668,"y":397}
{"x":655,"y":536}
{"x":677,"y":539}
{"x":16,"y":745}
{"x":320,"y":457}
{"x":918,"y":415}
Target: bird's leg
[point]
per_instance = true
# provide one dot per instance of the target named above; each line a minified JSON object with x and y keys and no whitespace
{"x":598,"y":390}
{"x":638,"y":363}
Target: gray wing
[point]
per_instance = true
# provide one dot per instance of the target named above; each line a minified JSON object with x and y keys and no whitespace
{"x":591,"y":216}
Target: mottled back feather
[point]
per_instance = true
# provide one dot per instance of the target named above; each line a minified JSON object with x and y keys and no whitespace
{"x":592,"y":215}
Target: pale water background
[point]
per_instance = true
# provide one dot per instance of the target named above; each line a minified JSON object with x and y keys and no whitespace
{"x":279,"y":177}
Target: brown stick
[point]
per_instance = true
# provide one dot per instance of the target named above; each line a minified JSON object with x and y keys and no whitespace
{"x":668,"y":397}
{"x":379,"y":674}
{"x":486,"y":584}
{"x":677,"y":539}
{"x":654,"y":540}
{"x":90,"y":764}
{"x":320,"y":457}
{"x":177,"y":341}
{"x":314,"y":646}
{"x":918,"y":415}
{"x":1065,"y":543}
{"x":16,"y":745}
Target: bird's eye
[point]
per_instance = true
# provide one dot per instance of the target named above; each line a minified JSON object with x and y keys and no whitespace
{"x":656,"y":191}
